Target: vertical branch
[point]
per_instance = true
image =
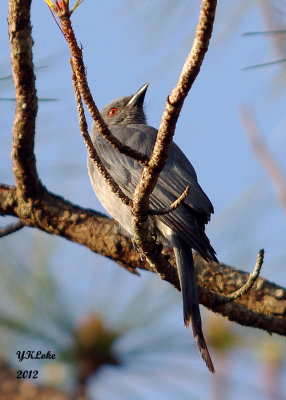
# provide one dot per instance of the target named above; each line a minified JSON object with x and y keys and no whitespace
{"x":24,"y":163}
{"x":151,"y":172}
{"x":62,"y":11}
{"x":90,"y":147}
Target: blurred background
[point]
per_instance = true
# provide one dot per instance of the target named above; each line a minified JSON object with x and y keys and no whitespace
{"x":115,"y":335}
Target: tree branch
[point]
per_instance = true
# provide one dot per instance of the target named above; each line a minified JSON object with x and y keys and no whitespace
{"x":250,"y":281}
{"x":167,"y":210}
{"x":11,"y":228}
{"x":90,"y":147}
{"x":150,"y":173}
{"x":63,"y":12}
{"x":24,"y":163}
{"x":264,"y":306}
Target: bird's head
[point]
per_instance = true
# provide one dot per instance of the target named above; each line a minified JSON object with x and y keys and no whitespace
{"x":126,"y":110}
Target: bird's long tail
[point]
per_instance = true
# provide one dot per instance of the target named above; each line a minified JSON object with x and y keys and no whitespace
{"x":185,"y":265}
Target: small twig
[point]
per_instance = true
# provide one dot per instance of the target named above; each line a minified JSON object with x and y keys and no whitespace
{"x":250,"y":281}
{"x":174,"y":205}
{"x":11,"y":228}
{"x":263,"y":154}
{"x":266,"y":64}
{"x":90,"y":147}
{"x":276,"y":32}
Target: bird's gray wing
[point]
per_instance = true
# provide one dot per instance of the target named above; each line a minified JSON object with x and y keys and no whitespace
{"x":177,"y":174}
{"x":124,"y":170}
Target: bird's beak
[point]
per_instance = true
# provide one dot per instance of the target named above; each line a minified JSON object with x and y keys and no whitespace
{"x":138,"y":98}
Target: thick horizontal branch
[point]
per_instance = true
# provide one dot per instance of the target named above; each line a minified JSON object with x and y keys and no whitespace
{"x":264,"y":306}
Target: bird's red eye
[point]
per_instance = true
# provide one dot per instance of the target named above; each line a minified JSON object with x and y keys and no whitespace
{"x":112,"y":112}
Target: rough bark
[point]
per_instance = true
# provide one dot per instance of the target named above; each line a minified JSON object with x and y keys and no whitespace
{"x":264,"y":306}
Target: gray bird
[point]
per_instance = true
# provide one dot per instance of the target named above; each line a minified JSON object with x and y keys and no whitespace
{"x":182,"y":229}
